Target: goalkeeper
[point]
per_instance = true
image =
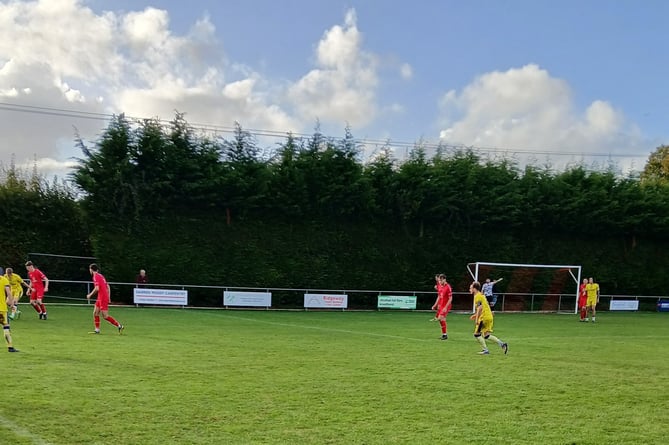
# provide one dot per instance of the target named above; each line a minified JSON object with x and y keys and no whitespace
{"x":488,"y":292}
{"x":16,"y":285}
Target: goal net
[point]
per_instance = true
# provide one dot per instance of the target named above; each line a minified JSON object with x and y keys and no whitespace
{"x":530,"y":287}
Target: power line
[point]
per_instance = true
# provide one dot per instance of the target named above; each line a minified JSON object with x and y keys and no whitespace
{"x":216,"y":129}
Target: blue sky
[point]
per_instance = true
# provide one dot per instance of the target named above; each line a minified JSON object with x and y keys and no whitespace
{"x":562,"y":81}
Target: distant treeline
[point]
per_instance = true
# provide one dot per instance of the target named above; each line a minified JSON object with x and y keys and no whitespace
{"x":310,"y":213}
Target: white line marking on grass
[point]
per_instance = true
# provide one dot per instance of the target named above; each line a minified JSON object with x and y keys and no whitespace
{"x":22,"y":432}
{"x":320,"y":328}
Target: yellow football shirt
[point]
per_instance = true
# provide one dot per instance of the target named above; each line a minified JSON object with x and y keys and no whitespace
{"x":4,"y":282}
{"x":15,"y":282}
{"x":480,"y":300}
{"x":592,"y":289}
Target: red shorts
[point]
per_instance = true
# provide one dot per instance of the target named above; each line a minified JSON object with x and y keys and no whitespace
{"x":582,"y":302}
{"x":103,"y":305}
{"x":442,"y":311}
{"x":36,"y":294}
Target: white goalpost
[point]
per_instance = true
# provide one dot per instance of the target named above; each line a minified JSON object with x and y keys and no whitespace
{"x":573,"y":270}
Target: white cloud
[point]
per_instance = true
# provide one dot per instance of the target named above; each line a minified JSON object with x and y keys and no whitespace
{"x":146,"y":30}
{"x":526,"y":109}
{"x":68,"y":37}
{"x":71,"y":95}
{"x":406,"y":72}
{"x":9,"y":92}
{"x":61,"y":55}
{"x":53,"y":51}
{"x":343,"y":86}
{"x":32,"y":126}
{"x":239,"y":90}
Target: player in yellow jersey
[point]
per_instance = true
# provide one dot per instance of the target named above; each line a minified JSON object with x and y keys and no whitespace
{"x":592,"y":290}
{"x":483,"y":320}
{"x":4,"y":298}
{"x":16,"y":285}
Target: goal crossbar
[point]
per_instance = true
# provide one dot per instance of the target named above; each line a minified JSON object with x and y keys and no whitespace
{"x":571,"y":268}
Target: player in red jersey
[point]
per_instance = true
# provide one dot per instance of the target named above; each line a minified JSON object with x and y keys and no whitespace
{"x":39,"y":285}
{"x":582,"y":300}
{"x":437,"y":285}
{"x":102,"y":302}
{"x":443,"y":303}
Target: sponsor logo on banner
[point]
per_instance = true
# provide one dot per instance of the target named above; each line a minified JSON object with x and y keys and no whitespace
{"x":160,"y":296}
{"x":396,"y":302}
{"x":248,"y":299}
{"x":326,"y":301}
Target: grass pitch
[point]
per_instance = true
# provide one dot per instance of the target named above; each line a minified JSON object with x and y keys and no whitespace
{"x":268,"y":377}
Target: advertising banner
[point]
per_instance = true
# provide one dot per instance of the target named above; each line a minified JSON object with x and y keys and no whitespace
{"x":326,"y":301}
{"x":160,"y":296}
{"x":248,"y":299}
{"x":624,"y":305}
{"x":396,"y":302}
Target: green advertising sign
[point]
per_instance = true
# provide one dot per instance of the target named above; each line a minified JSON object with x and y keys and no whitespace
{"x":396,"y":302}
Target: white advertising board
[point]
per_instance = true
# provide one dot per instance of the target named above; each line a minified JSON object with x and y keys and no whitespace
{"x":624,"y":305}
{"x":252,"y":299}
{"x":326,"y":301}
{"x":161,"y":296}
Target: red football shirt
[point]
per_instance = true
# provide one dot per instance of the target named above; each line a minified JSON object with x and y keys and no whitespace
{"x":101,"y":283}
{"x":582,"y":295}
{"x":37,"y":279}
{"x":445,"y":293}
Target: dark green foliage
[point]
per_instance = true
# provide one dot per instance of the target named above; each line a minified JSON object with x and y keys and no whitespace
{"x":224,"y":212}
{"x":38,"y":216}
{"x":321,"y":179}
{"x":107,"y":175}
{"x":244,"y":178}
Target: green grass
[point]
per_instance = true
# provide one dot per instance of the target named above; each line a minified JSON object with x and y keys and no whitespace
{"x":256,"y":377}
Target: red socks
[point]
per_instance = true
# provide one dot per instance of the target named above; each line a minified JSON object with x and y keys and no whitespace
{"x":112,"y":321}
{"x":443,"y":326}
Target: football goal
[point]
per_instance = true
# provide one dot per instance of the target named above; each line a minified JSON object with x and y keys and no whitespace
{"x":530,"y":287}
